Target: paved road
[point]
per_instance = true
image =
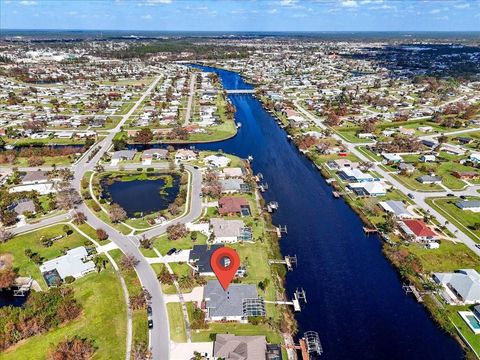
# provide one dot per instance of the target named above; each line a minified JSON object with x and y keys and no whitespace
{"x":160,"y":336}
{"x":191,"y":95}
{"x":419,"y":196}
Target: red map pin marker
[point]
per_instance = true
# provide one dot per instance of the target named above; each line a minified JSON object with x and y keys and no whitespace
{"x":225,"y":263}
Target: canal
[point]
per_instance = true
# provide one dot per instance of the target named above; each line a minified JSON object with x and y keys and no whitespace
{"x":355,"y":298}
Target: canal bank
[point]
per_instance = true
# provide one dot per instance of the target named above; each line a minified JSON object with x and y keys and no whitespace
{"x":355,"y":297}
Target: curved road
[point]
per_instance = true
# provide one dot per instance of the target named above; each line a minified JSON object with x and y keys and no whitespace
{"x":159,"y":335}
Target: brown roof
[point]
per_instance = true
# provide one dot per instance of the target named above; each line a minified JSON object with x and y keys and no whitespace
{"x":228,"y":205}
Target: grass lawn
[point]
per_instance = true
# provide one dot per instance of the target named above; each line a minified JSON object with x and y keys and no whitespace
{"x":448,"y":257}
{"x":90,"y":231}
{"x":163,"y":244}
{"x":103,"y":320}
{"x":411,"y":182}
{"x":464,"y":219}
{"x":19,"y":243}
{"x":350,"y":135}
{"x":176,"y":322}
{"x":139,"y":319}
{"x":237,"y":329}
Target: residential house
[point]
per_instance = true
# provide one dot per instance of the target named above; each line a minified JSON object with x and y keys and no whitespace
{"x":233,"y":172}
{"x":374,"y":188}
{"x":199,"y":258}
{"x":229,"y":231}
{"x":466,"y":175}
{"x":355,"y":175}
{"x":230,"y":186}
{"x":392,"y":157}
{"x":23,"y":206}
{"x":396,"y":208}
{"x":471,"y":205}
{"x":429,"y":179}
{"x":122,"y":155}
{"x":233,"y":206}
{"x":73,"y":263}
{"x":185,"y":155}
{"x":153,"y":154}
{"x":35,"y":177}
{"x":237,"y":303}
{"x":408,"y":168}
{"x":417,"y":230}
{"x":461,"y":286}
{"x":341,"y":163}
{"x":428,"y":158}
{"x":233,"y":347}
{"x":217,"y":160}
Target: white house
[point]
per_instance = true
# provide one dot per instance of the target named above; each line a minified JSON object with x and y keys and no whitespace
{"x":217,"y":160}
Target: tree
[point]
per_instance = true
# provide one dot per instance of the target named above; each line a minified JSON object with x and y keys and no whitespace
{"x":67,"y":199}
{"x":128,"y":261}
{"x":79,"y":218}
{"x":35,"y":161}
{"x":5,"y":235}
{"x":173,"y":209}
{"x":146,"y":243}
{"x":186,"y":281}
{"x":177,"y":231}
{"x":100,"y":262}
{"x":144,"y":136}
{"x":7,"y":277}
{"x":117,"y":213}
{"x":76,"y":348}
{"x":332,"y":119}
{"x":101,"y":234}
{"x":140,"y":351}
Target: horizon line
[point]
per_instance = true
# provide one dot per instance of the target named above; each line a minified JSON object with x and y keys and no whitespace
{"x":248,"y":31}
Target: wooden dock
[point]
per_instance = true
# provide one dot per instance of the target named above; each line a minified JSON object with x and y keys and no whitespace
{"x":335,"y":194}
{"x":369,"y":231}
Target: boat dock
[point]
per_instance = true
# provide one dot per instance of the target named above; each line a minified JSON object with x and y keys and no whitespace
{"x":369,"y":231}
{"x":411,"y":289}
{"x":308,"y":345}
{"x":289,"y":261}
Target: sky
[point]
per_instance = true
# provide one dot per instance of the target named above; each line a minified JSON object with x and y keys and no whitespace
{"x":242,"y":15}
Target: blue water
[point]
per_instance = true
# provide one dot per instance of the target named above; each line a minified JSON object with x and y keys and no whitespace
{"x":355,"y":298}
{"x":142,"y":195}
{"x":7,"y":299}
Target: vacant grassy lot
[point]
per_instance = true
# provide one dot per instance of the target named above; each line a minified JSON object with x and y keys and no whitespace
{"x":448,"y":257}
{"x":104,"y":320}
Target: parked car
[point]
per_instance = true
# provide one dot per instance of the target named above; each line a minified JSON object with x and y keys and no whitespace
{"x":150,"y":323}
{"x":171,"y":251}
{"x":477,"y":246}
{"x":178,"y":251}
{"x":149,"y":311}
{"x":450,"y":194}
{"x":195,"y":167}
{"x":463,"y":197}
{"x":411,"y":196}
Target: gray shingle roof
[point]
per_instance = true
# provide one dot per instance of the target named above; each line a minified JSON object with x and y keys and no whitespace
{"x":468,"y":204}
{"x":232,"y":347}
{"x":227,"y":303}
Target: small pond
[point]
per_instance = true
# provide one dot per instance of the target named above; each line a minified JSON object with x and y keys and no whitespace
{"x":142,"y":196}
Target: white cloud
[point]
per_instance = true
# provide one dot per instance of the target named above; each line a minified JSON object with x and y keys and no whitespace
{"x":272,"y":11}
{"x":435,"y":11}
{"x":147,"y":17}
{"x":349,"y":3}
{"x":27,"y":3}
{"x":288,"y":2}
{"x":155,"y":2}
{"x":462,"y":6}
